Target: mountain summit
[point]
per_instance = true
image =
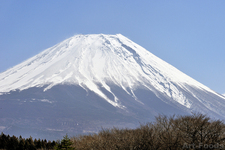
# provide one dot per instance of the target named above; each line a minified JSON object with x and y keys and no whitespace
{"x":89,"y":81}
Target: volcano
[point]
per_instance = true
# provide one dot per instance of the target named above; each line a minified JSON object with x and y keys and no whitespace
{"x":92,"y":81}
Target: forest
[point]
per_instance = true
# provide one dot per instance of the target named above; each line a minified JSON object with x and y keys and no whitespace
{"x":14,"y":143}
{"x":196,"y":131}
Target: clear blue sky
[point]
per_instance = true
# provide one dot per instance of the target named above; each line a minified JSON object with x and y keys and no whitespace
{"x":188,"y":34}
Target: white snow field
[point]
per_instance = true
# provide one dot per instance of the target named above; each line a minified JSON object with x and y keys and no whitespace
{"x":97,"y":80}
{"x":90,"y":59}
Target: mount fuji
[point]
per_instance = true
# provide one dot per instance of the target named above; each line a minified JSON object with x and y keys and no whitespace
{"x":91,"y":81}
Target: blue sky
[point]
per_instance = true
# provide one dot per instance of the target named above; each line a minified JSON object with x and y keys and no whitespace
{"x":188,"y":34}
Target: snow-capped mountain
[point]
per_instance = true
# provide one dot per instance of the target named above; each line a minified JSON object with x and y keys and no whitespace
{"x":89,"y":81}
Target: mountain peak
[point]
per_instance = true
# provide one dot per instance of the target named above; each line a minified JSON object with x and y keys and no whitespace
{"x":102,"y":74}
{"x":89,"y":60}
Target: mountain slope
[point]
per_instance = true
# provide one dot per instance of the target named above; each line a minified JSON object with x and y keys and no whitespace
{"x":92,"y":75}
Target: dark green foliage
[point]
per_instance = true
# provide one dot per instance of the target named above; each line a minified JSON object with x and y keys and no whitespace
{"x":65,"y":144}
{"x":21,"y":145}
{"x":4,"y":140}
{"x":14,"y":143}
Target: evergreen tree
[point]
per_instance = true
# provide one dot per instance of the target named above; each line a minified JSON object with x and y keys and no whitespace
{"x":35,"y":142}
{"x":21,"y":145}
{"x":27,"y":145}
{"x":38,"y":144}
{"x":12,"y":143}
{"x":65,"y":144}
{"x":3,"y":141}
{"x":31,"y":144}
{"x":20,"y":138}
{"x":43,"y":145}
{"x":53,"y":144}
{"x":49,"y":145}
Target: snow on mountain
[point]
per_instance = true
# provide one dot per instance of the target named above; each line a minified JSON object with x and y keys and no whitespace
{"x":90,"y":59}
{"x":130,"y":79}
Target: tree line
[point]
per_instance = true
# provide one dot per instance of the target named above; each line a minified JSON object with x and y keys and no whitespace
{"x":188,"y":132}
{"x":14,"y":143}
{"x":191,"y":132}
